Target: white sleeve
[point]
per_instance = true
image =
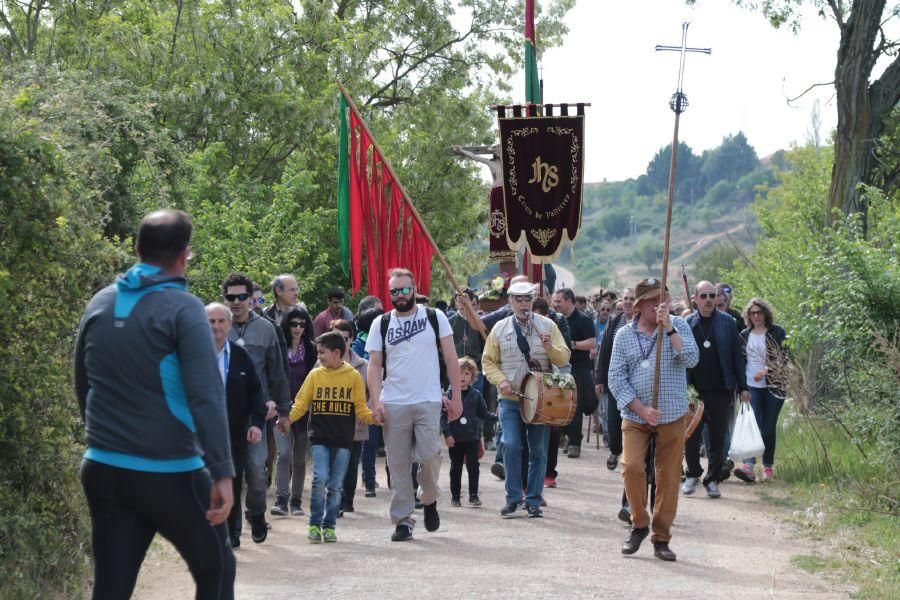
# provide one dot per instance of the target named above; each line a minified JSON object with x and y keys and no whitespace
{"x":374,"y":341}
{"x":443,"y":325}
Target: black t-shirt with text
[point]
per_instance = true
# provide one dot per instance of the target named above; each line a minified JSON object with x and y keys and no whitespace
{"x":581,"y":327}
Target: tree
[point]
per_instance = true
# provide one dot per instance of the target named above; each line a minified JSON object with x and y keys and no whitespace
{"x":733,"y":158}
{"x":658,"y":168}
{"x":863,"y":102}
{"x":649,"y":250}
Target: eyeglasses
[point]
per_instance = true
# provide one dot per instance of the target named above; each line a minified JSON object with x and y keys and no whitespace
{"x":725,"y":289}
{"x":525,"y":298}
{"x":261,"y":300}
{"x":755,"y":313}
{"x":233,"y":297}
{"x":404,"y":291}
{"x":706,"y":295}
{"x":298,"y":323}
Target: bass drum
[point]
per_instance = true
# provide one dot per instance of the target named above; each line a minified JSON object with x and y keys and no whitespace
{"x":540,"y":404}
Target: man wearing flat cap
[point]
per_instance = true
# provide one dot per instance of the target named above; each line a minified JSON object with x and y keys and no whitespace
{"x":518,"y":344}
{"x":631,"y":371}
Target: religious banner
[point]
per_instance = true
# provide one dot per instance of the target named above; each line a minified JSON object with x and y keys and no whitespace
{"x":542,"y":160}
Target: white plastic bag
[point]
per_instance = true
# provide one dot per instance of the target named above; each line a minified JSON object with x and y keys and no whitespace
{"x":746,"y":442}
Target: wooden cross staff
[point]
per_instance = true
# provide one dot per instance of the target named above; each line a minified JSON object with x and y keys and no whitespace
{"x":678,"y":103}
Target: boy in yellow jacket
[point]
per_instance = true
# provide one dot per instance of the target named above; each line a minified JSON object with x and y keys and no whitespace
{"x":335,"y":396}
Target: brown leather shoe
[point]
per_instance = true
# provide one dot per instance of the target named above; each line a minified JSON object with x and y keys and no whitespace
{"x":662,"y":552}
{"x":633,"y":543}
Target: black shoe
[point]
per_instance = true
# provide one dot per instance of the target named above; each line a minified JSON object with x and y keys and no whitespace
{"x":340,"y":513}
{"x":455,"y":501}
{"x":574,"y":452}
{"x":625,"y":514}
{"x":280,"y":509}
{"x":235,"y":541}
{"x":534,"y":512}
{"x":633,"y":543}
{"x":662,"y":552}
{"x":509,"y":511}
{"x":370,"y":492}
{"x":419,"y":504}
{"x":401,"y":534}
{"x":258,"y":528}
{"x":498,"y":471}
{"x":296,"y":509}
{"x":380,"y":453}
{"x":473,"y":500}
{"x":432,"y":518}
{"x":612,"y":461}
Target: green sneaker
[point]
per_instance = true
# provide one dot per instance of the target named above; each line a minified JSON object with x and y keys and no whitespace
{"x":315,"y":534}
{"x":328,"y":535}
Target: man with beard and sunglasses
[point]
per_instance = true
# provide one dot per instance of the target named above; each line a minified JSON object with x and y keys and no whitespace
{"x":404,"y":378}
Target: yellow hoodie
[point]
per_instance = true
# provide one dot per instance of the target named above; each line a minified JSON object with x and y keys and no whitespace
{"x":338,"y":398}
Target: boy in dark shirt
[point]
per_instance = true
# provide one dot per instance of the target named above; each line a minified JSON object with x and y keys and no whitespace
{"x":463,"y":436}
{"x":335,"y":397}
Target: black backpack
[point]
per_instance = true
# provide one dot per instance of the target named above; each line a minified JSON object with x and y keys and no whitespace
{"x":433,"y":320}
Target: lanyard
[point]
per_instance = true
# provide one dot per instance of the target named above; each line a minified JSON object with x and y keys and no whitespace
{"x":645,"y":356}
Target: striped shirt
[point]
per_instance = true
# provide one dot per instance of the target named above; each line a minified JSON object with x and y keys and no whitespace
{"x":631,"y":370}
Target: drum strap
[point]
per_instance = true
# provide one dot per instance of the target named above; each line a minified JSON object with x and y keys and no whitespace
{"x":523,"y":345}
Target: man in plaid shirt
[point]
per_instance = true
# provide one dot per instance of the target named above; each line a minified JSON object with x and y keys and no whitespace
{"x":631,"y":382}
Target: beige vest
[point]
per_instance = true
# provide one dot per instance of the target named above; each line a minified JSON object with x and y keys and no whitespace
{"x":512,"y":361}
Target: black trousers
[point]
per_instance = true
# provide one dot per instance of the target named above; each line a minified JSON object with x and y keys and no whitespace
{"x":614,"y":424}
{"x":584,"y":381}
{"x":460,"y":453}
{"x":716,"y":411}
{"x":129,"y":507}
{"x":352,"y":476}
{"x":239,"y":457}
{"x":553,"y":451}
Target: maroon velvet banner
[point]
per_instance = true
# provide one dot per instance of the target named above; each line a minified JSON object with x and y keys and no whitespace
{"x":542,"y":159}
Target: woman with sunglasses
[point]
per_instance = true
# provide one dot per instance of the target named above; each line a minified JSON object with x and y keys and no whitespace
{"x":290,"y":467}
{"x":766,"y":356}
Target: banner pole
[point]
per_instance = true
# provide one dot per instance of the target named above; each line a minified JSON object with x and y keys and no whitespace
{"x":415,"y":213}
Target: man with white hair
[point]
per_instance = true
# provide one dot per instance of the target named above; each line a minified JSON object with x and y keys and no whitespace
{"x":515,"y":346}
{"x":243,"y":395}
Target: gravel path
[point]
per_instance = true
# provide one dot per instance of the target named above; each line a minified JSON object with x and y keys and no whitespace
{"x":734,"y":547}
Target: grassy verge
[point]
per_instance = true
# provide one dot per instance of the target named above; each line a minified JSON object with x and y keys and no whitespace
{"x":843,"y":499}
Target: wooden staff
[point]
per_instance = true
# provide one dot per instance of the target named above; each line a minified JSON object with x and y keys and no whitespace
{"x":415,"y":213}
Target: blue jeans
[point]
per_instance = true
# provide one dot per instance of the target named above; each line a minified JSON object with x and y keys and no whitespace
{"x":329,"y":468}
{"x":766,"y":407}
{"x":369,"y":454}
{"x":537,"y":438}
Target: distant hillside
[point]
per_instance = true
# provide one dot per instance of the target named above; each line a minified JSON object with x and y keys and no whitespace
{"x":623,"y":222}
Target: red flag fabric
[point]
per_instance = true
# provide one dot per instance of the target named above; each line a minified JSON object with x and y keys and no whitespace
{"x":393,"y":250}
{"x":376,"y":277}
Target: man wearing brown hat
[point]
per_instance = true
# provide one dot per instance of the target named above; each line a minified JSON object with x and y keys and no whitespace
{"x":631,"y":371}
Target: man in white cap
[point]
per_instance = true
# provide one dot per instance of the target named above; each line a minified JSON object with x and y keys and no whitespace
{"x":516,"y":345}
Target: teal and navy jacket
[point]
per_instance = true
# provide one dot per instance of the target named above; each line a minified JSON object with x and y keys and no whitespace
{"x":147,"y":380}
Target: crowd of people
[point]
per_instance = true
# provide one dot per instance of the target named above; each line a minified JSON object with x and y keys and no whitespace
{"x":193,"y":413}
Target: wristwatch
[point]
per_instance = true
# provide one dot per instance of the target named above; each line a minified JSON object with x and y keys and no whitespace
{"x":672,"y":331}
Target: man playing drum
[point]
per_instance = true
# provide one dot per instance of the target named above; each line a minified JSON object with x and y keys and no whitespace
{"x":517,"y":345}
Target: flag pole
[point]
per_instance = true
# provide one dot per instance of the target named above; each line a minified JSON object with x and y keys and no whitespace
{"x":415,"y":213}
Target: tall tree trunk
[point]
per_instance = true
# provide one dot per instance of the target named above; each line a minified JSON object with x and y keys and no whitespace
{"x":861,"y":107}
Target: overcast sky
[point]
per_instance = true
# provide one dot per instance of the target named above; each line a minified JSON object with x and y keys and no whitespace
{"x":608,"y":59}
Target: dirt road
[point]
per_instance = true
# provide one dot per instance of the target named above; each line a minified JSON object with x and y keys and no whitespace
{"x":735,"y":547}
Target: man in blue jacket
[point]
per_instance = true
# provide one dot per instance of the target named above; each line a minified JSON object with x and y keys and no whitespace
{"x":153,"y":402}
{"x":718,"y":375}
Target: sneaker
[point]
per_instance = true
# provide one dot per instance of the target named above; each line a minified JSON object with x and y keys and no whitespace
{"x":402,"y":533}
{"x":296,"y":509}
{"x":633,"y":543}
{"x":727,"y":468}
{"x":280,"y":509}
{"x":235,"y":541}
{"x":574,"y":452}
{"x":534,"y":512}
{"x":767,"y":473}
{"x":314,"y":535}
{"x":454,"y":501}
{"x":498,"y":471}
{"x":370,"y":492}
{"x":328,"y":535}
{"x":549,"y":482}
{"x":259,"y":529}
{"x":612,"y":461}
{"x":473,"y":500}
{"x":745,"y":473}
{"x":509,"y":511}
{"x":432,"y":518}
{"x":625,"y":514}
{"x":689,"y":485}
{"x":712,"y":489}
{"x":419,"y":504}
{"x":662,"y":552}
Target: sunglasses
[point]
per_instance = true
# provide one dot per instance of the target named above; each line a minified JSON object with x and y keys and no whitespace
{"x":525,"y":298}
{"x":261,"y":300}
{"x":404,"y":291}
{"x":233,"y":297}
{"x":706,"y":295}
{"x":298,"y":323}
